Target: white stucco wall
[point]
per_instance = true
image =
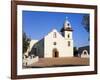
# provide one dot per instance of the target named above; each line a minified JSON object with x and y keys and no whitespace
{"x":62,"y":45}
{"x":68,"y":33}
{"x":46,"y":45}
{"x":32,"y":42}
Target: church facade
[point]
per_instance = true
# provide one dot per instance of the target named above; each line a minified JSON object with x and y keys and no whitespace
{"x":55,"y":44}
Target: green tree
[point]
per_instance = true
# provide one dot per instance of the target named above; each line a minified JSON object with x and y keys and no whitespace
{"x":75,"y":51}
{"x":26,"y":42}
{"x":86,"y":22}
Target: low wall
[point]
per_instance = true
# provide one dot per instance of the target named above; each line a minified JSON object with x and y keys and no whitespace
{"x":28,"y":61}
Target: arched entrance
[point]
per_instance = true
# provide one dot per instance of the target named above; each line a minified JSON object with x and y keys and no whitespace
{"x":85,"y":53}
{"x":55,"y":53}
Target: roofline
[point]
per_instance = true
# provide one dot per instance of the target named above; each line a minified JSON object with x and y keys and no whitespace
{"x":66,"y":29}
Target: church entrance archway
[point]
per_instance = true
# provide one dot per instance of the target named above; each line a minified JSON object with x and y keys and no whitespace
{"x":55,"y":53}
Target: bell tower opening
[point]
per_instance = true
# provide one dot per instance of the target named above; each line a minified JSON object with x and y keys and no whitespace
{"x":66,"y":30}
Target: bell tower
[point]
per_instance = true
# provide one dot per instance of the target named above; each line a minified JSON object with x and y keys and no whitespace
{"x":67,"y":34}
{"x":67,"y":30}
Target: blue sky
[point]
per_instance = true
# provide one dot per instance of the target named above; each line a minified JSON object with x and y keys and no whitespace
{"x":37,"y":24}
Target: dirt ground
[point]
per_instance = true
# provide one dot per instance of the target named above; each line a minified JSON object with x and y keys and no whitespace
{"x":58,"y":62}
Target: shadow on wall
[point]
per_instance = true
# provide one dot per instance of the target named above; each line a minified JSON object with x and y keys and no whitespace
{"x":33,"y":50}
{"x":38,"y":49}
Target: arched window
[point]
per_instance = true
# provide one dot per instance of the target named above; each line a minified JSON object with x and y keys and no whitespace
{"x":54,"y":35}
{"x":85,"y":52}
{"x":54,"y":43}
{"x":68,"y":43}
{"x":68,"y":24}
{"x":68,"y":35}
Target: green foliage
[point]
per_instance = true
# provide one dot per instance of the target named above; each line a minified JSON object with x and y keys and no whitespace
{"x":75,"y":51}
{"x":86,"y":22}
{"x":26,"y":42}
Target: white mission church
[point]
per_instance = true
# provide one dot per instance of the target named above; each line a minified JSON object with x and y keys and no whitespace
{"x":54,"y":44}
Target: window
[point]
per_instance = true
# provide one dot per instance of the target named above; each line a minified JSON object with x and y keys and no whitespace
{"x":68,"y":43}
{"x":54,"y":35}
{"x":54,"y":43}
{"x":68,"y":36}
{"x":85,"y":53}
{"x":68,"y":24}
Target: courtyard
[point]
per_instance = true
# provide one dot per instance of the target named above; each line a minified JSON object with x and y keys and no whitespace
{"x":59,"y":62}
